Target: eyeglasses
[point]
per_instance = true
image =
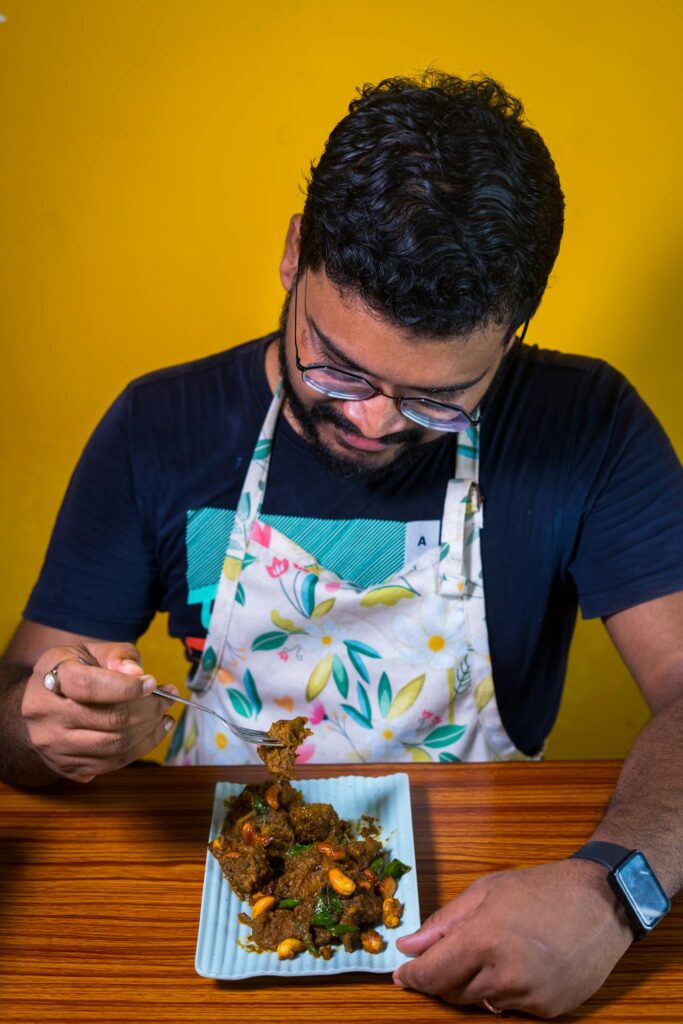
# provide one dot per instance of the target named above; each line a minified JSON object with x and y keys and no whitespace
{"x":334,"y":383}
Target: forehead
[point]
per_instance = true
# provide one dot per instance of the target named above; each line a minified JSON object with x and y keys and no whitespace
{"x":387,"y":351}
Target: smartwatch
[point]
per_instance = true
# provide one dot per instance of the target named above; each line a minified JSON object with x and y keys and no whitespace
{"x":633,"y":881}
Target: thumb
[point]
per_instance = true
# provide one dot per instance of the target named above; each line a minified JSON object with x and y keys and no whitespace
{"x":421,"y":940}
{"x":119,"y":657}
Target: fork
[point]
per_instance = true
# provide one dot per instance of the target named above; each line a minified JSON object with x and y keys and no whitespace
{"x":248,"y":735}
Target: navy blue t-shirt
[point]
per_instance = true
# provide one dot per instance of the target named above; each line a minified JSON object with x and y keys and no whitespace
{"x":583,"y":504}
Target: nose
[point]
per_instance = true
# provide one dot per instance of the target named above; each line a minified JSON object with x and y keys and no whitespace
{"x":375,"y":417}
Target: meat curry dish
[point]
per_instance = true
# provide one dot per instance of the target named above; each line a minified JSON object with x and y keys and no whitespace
{"x":311,"y":882}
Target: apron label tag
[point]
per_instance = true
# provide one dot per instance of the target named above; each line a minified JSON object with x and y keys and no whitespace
{"x":421,"y":537}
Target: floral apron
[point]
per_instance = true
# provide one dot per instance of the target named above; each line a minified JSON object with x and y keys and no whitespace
{"x":395,"y":672}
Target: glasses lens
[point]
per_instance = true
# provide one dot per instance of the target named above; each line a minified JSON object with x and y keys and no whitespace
{"x":434,"y":415}
{"x":337,"y":384}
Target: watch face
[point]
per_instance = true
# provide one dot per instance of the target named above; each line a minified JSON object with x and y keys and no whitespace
{"x":646,"y":896}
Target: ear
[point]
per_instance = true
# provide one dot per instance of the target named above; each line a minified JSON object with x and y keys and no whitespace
{"x":290,"y":259}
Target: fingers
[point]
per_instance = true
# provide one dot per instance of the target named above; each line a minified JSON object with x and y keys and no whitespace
{"x":95,"y":753}
{"x":448,"y":964}
{"x":100,"y":717}
{"x":444,"y":920}
{"x":91,"y":684}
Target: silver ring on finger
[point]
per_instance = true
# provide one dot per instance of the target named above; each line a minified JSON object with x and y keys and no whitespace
{"x":488,"y":1006}
{"x":51,"y":678}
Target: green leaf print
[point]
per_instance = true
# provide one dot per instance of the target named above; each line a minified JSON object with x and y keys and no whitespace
{"x":239,"y":594}
{"x":262,"y":449}
{"x":364,"y":702}
{"x":240,"y":703}
{"x":356,"y":716}
{"x":269,"y":641}
{"x":243,"y":506}
{"x":361,"y":648}
{"x":445,"y":548}
{"x":308,"y":593}
{"x":384,"y":695}
{"x":358,"y":664}
{"x":340,"y":674}
{"x":467,"y":450}
{"x":443,"y":735}
{"x":355,"y":648}
{"x":447,"y":758}
{"x":248,"y":559}
{"x":209,"y":659}
{"x":252,"y":692}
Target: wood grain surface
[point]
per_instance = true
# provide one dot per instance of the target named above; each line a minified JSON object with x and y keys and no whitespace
{"x":100,"y":889}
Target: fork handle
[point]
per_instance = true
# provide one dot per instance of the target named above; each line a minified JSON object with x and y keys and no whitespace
{"x":190,"y":703}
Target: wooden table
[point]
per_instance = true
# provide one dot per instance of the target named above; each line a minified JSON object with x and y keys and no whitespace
{"x":100,"y":889}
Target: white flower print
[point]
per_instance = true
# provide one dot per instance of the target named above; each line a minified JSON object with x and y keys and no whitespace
{"x":323,"y":637}
{"x":437,"y":639}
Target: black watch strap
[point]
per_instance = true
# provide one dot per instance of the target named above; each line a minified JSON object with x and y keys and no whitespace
{"x":609,"y":854}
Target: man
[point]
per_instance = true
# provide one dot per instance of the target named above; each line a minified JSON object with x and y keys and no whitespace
{"x":310,"y":509}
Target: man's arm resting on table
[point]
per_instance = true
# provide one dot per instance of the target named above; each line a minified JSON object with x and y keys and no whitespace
{"x":646,"y":810}
{"x":545,"y":938}
{"x":101,"y":720}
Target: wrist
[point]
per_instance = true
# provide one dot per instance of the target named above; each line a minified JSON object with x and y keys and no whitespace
{"x":20,"y":763}
{"x":632,"y":880}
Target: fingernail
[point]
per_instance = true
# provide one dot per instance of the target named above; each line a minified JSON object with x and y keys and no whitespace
{"x":149,"y":684}
{"x":168,"y":723}
{"x":397,"y":981}
{"x":130,"y":666}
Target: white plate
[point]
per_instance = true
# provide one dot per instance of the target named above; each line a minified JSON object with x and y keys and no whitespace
{"x":219,"y":953}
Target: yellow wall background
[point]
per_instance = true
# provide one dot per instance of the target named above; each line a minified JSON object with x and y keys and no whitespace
{"x":153,"y":151}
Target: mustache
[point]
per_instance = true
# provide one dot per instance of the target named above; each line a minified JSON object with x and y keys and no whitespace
{"x":327,"y":413}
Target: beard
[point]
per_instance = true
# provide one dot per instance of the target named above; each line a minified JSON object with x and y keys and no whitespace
{"x":410,"y":444}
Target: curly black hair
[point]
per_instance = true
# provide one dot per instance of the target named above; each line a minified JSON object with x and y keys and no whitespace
{"x":436,"y":204}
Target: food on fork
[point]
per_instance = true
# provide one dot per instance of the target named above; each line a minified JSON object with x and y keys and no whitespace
{"x":290,"y":733}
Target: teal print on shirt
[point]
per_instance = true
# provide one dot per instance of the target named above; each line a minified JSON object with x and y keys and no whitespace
{"x":363,"y":551}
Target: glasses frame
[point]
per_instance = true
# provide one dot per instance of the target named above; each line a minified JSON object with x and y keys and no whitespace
{"x":473,"y":419}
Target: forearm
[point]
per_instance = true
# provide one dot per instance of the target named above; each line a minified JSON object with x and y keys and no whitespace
{"x":19,"y":763}
{"x":646,"y":809}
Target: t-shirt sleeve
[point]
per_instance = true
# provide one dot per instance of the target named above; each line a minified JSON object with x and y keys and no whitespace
{"x":629,"y":546}
{"x":99,"y":577}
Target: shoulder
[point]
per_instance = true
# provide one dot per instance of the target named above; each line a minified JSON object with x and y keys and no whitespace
{"x":198,"y":373}
{"x":558,"y":387}
{"x":201,"y":397}
{"x":568,"y":372}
